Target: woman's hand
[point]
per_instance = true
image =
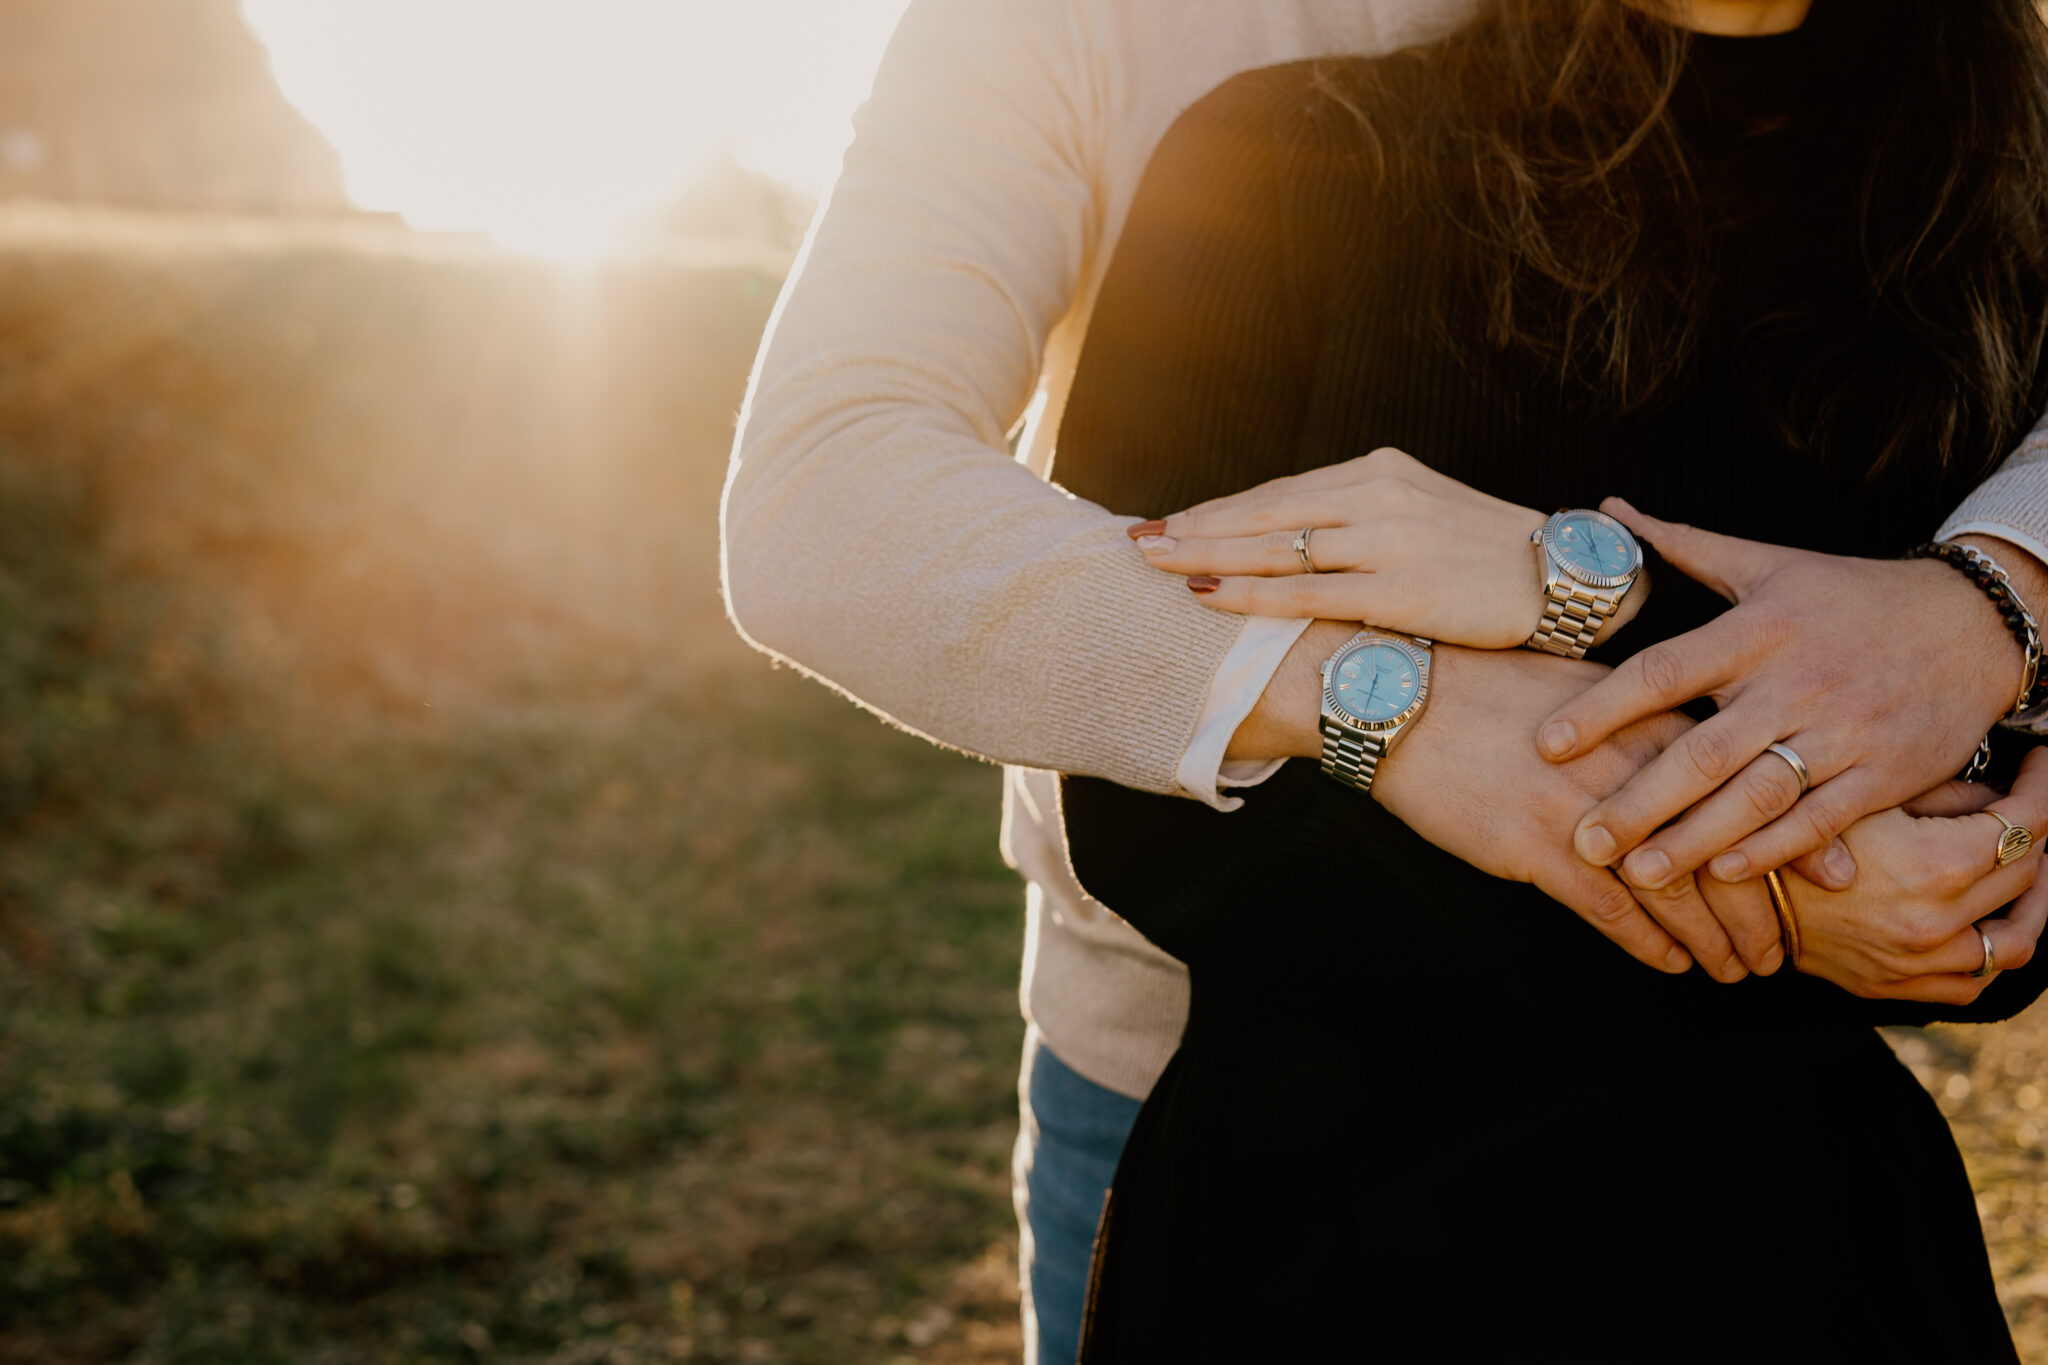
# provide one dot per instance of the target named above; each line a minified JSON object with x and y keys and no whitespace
{"x":1468,"y":779}
{"x":1395,"y":543}
{"x":1926,"y":876}
{"x":1881,"y":675}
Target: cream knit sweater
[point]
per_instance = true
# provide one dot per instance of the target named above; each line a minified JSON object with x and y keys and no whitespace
{"x":880,"y":535}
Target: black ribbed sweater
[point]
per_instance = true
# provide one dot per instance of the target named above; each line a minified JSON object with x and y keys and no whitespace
{"x":1549,"y":1151}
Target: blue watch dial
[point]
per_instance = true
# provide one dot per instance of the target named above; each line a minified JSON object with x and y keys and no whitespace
{"x":1594,"y":544}
{"x":1375,"y":682}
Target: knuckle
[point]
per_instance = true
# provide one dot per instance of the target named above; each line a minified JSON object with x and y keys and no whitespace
{"x":1708,"y":752}
{"x":1613,"y":908}
{"x":1662,"y":669}
{"x":1772,"y":791}
{"x":1814,"y":823}
{"x":1923,"y":933}
{"x":2019,"y":956}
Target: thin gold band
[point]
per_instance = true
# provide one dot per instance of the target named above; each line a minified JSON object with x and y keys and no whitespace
{"x":1788,"y":923}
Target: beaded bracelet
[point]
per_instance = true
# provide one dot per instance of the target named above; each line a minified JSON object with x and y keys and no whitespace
{"x":1985,"y":572}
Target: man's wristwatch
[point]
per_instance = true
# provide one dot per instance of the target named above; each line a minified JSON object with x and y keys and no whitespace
{"x":1589,"y":562}
{"x":1373,"y":689}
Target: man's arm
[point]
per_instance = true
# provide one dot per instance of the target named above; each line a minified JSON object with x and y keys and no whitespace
{"x":877,"y":533}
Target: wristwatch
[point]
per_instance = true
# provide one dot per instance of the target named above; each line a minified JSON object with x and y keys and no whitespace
{"x":1588,"y":561}
{"x":1374,"y":687}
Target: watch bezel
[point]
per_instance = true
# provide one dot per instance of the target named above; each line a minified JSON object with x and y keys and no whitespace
{"x":1365,"y":640}
{"x":1577,"y":575}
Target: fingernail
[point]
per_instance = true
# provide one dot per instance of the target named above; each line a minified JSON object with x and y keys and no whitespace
{"x":1729,"y":867}
{"x":1204,"y":584}
{"x":1648,"y":868}
{"x":1841,"y":865}
{"x":1596,"y":845}
{"x":1558,"y":738}
{"x":1731,"y":971}
{"x":1677,"y":960}
{"x":1144,"y":528}
{"x":1774,"y":958}
{"x":1156,"y":545}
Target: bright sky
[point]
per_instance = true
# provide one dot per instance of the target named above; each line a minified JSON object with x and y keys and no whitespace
{"x":548,"y":122}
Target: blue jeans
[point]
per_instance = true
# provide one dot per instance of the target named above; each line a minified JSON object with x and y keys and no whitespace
{"x":1072,"y":1132}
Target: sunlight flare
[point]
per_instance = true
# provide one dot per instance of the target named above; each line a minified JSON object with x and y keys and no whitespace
{"x":550,"y":123}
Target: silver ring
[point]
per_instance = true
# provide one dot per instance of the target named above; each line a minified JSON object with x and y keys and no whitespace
{"x":1301,"y":549}
{"x":1990,"y":959}
{"x":1784,"y":751}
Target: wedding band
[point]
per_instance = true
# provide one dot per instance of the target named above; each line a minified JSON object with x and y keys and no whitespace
{"x":2014,"y":844}
{"x":1301,"y":549}
{"x":1990,"y":959}
{"x":1788,"y":923}
{"x":1784,"y":751}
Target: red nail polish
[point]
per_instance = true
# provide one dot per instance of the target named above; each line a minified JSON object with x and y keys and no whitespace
{"x":1204,"y":584}
{"x":1146,"y":528}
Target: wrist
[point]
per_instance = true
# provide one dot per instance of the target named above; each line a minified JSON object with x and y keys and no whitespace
{"x":2001,"y":657}
{"x":1284,"y":723}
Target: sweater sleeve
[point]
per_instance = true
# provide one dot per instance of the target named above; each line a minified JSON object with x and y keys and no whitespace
{"x":2013,"y":503}
{"x":876,"y":531}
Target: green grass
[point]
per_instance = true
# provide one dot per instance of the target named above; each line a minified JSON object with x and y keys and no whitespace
{"x":426,"y":932}
{"x":690,"y":1025}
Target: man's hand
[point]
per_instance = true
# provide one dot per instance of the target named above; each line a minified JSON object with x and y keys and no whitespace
{"x":1882,"y":676}
{"x":1467,"y":778}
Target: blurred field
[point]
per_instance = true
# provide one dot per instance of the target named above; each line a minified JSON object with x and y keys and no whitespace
{"x":426,"y":933}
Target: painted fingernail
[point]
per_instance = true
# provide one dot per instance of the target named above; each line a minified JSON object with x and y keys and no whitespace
{"x":1144,"y":528}
{"x":1596,"y":845}
{"x":1677,"y":960}
{"x":1729,"y":867}
{"x":1204,"y":584}
{"x":1558,"y":738}
{"x":1156,"y":545}
{"x":1841,"y":865}
{"x":1648,"y":868}
{"x":1774,"y":958}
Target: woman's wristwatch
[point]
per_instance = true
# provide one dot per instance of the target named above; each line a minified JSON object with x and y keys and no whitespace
{"x":1374,"y":687}
{"x":1588,"y":562}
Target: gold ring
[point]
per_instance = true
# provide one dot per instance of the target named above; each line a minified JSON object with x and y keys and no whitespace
{"x":2014,"y":844}
{"x":1990,"y":958}
{"x":1301,"y":549}
{"x":1788,"y":923}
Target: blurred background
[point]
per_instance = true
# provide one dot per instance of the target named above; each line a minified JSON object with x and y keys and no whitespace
{"x":426,"y":932}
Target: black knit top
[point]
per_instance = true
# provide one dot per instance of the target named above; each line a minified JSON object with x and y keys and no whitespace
{"x":1394,"y":1063}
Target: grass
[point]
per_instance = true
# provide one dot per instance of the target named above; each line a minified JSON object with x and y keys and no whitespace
{"x":426,"y":932}
{"x":429,"y":934}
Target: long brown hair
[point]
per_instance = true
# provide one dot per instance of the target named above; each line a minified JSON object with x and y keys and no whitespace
{"x":1574,"y":204}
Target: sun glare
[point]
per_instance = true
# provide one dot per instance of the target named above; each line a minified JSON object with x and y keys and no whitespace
{"x":550,"y":123}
